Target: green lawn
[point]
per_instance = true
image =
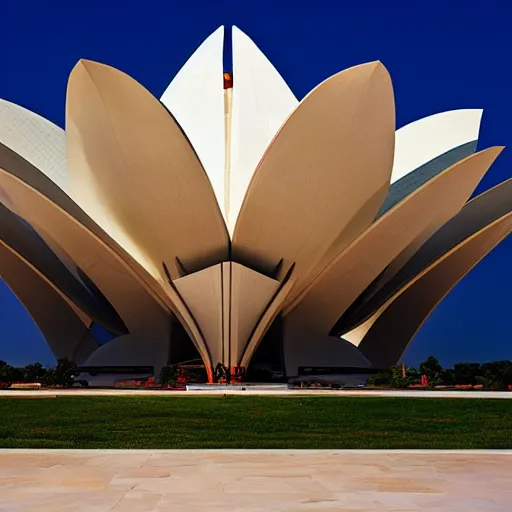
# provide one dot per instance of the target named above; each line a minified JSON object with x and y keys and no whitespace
{"x":254,"y":422}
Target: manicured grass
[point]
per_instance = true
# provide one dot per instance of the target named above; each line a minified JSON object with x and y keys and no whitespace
{"x":254,"y":422}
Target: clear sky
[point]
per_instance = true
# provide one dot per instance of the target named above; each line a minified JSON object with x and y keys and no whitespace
{"x":442,"y":55}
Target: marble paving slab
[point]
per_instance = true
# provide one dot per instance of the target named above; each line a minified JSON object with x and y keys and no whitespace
{"x":255,"y":480}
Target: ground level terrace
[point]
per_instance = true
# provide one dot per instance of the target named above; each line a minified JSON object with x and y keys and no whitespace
{"x":254,"y":481}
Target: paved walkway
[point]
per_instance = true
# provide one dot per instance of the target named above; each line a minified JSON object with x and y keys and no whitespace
{"x":248,"y":392}
{"x":254,"y":481}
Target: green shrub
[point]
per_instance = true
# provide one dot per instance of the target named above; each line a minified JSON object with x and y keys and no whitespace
{"x":380,"y":379}
{"x":62,"y":375}
{"x":168,"y":375}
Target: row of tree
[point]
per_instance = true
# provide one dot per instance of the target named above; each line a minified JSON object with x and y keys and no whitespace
{"x":492,"y":376}
{"x":60,"y":376}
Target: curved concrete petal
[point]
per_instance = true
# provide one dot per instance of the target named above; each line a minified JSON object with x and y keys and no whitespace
{"x":423,"y":140}
{"x":481,"y":211}
{"x":22,"y":240}
{"x":393,"y":328}
{"x":202,"y":293}
{"x":412,"y":220}
{"x":134,"y":304}
{"x":195,"y":98}
{"x":36,"y":139}
{"x":133,"y":171}
{"x":227,"y":300}
{"x":251,"y":294}
{"x":267,"y":318}
{"x":131,"y":350}
{"x":261,"y":103}
{"x":61,"y":327}
{"x":158,"y":288}
{"x":323,"y":178}
{"x":414,"y":179}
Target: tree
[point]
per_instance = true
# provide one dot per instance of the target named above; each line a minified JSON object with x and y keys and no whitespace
{"x":380,"y":379}
{"x":467,"y":373}
{"x":496,"y":375}
{"x":397,"y":378}
{"x":168,"y":375}
{"x":447,"y":377}
{"x":392,"y":377}
{"x":413,"y":375}
{"x":34,"y":373}
{"x":9,"y":374}
{"x":62,"y":375}
{"x":432,"y":369}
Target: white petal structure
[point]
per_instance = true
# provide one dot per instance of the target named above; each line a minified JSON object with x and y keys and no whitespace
{"x":348,"y":275}
{"x":421,"y":141}
{"x":262,"y":101}
{"x":227,"y":300}
{"x":133,"y":172}
{"x":425,"y":291}
{"x":195,"y":97}
{"x":323,"y":178}
{"x":432,"y":145}
{"x":36,"y":139}
{"x":479,"y":213}
{"x":141,"y":314}
{"x":232,"y":224}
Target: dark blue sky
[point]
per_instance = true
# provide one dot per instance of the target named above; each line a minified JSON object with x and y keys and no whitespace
{"x":442,"y":55}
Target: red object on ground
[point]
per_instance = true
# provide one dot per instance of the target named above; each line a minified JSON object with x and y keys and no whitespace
{"x":150,"y":383}
{"x":237,"y":374}
{"x":424,"y":381}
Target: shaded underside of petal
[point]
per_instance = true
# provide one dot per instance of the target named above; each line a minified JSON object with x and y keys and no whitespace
{"x":406,"y":186}
{"x":22,"y":240}
{"x":418,"y":177}
{"x":202,"y":292}
{"x":270,"y":314}
{"x":481,"y":211}
{"x":426,"y":139}
{"x":261,"y":103}
{"x":36,"y":139}
{"x":415,"y":218}
{"x":332,"y":156}
{"x":162,"y":294}
{"x":61,"y":326}
{"x":195,"y":98}
{"x":393,"y":329}
{"x":134,"y":172}
{"x":131,"y":301}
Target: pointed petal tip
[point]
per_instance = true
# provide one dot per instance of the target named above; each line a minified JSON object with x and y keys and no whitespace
{"x":377,"y":67}
{"x":217,"y":33}
{"x":86,"y":65}
{"x":495,"y":150}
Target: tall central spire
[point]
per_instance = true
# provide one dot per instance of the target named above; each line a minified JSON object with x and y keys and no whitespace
{"x":228,"y":99}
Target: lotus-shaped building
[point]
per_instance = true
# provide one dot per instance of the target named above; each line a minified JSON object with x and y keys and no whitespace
{"x":230,"y":222}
